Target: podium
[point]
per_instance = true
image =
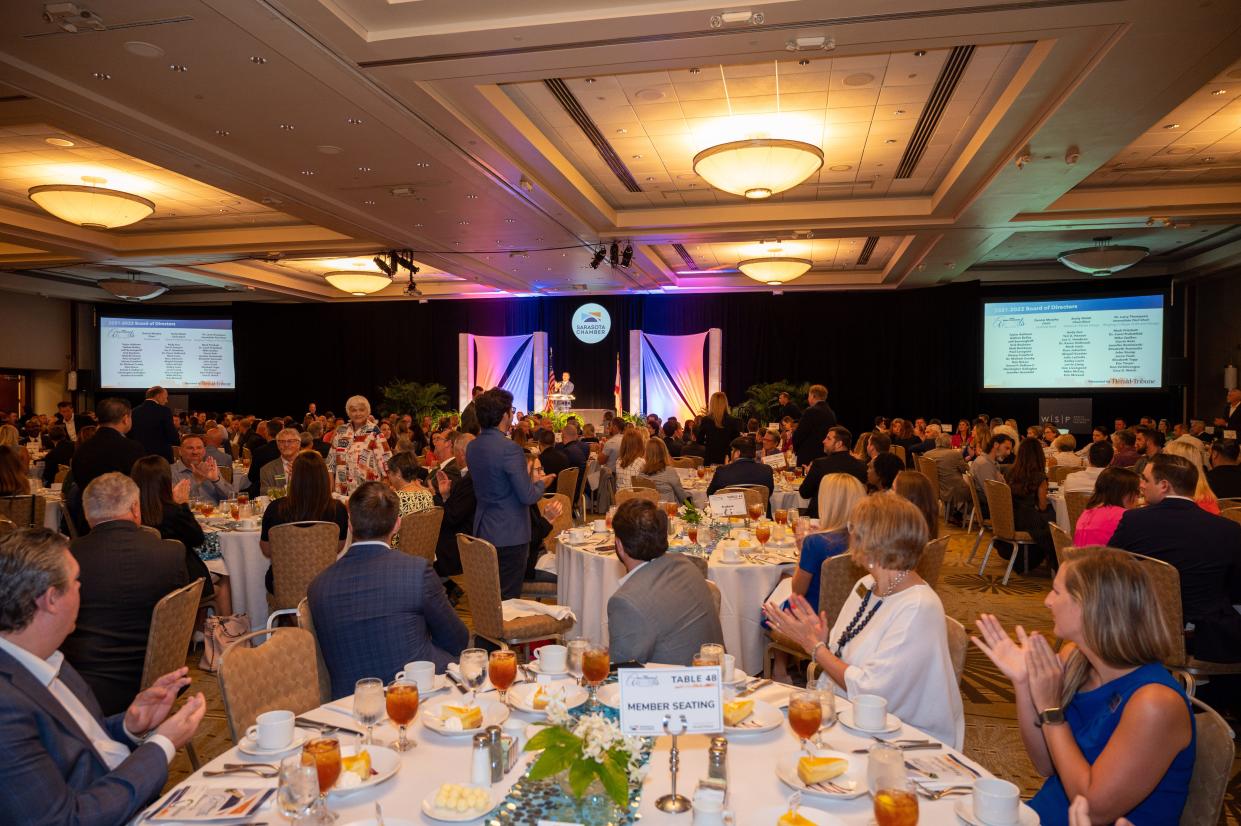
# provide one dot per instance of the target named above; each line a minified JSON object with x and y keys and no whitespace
{"x":561,"y":402}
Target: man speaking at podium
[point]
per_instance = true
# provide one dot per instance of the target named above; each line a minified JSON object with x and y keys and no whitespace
{"x":565,"y":388}
{"x":560,"y":390}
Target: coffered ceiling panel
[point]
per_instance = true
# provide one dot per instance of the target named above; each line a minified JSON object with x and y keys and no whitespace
{"x":825,"y":253}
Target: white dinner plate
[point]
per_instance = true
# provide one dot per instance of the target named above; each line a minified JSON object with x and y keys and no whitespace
{"x":765,"y":715}
{"x":248,"y":745}
{"x":494,"y":713}
{"x":846,"y":719}
{"x":522,"y":696}
{"x":384,"y":763}
{"x":429,"y":809}
{"x":609,"y":695}
{"x":964,"y":807}
{"x":388,"y":821}
{"x":854,"y":779}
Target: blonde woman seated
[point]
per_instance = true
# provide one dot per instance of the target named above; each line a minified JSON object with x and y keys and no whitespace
{"x":1103,"y":718}
{"x":838,"y":493}
{"x":1064,"y":452}
{"x":890,"y":638}
{"x":630,"y":459}
{"x":655,"y":467}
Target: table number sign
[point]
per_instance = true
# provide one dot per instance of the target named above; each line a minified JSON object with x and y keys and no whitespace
{"x":727,"y":504}
{"x":777,"y":461}
{"x":650,"y":695}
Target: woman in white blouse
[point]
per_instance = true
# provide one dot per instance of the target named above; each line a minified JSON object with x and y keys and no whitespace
{"x":890,"y":638}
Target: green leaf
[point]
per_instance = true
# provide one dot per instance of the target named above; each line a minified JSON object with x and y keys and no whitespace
{"x":581,"y":774}
{"x":615,"y":778}
{"x":553,"y":736}
{"x":554,"y":760}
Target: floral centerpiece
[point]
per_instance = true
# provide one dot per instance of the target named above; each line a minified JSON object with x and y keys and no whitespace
{"x":586,"y":750}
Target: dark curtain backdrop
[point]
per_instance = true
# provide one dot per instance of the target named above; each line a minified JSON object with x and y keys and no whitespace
{"x":896,"y":353}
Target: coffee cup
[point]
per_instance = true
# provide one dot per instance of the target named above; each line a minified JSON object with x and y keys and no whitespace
{"x":552,"y":658}
{"x":870,"y":712}
{"x":599,"y":526}
{"x":579,"y":534}
{"x":708,"y":811}
{"x":251,"y":524}
{"x":272,"y":730}
{"x":996,"y":802}
{"x":421,"y":673}
{"x":728,"y":668}
{"x":729,"y":551}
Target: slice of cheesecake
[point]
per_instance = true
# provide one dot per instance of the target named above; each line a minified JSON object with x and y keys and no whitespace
{"x":737,"y":710}
{"x":470,"y":716}
{"x":813,"y":770}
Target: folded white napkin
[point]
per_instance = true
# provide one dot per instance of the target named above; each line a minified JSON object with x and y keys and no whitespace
{"x":517,"y":608}
{"x":547,"y":562}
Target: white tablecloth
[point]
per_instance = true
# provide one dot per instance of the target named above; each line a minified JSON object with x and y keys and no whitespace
{"x":1062,"y":510}
{"x":756,"y":795}
{"x":247,"y":568}
{"x":781,"y":498}
{"x":586,"y":580}
{"x":51,"y":512}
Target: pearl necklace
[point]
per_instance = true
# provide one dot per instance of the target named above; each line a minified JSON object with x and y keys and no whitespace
{"x":896,"y":581}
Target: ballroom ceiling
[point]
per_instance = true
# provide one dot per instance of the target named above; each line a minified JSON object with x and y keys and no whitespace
{"x":502,"y":142}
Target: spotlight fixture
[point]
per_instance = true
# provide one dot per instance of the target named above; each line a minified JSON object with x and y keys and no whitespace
{"x":598,"y":257}
{"x":627,"y":255}
{"x":614,"y":254}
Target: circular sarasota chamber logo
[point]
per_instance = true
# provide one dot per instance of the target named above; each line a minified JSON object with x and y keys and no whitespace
{"x":591,"y":323}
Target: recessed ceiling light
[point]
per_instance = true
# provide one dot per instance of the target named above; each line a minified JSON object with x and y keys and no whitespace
{"x":178,"y":67}
{"x":287,"y":127}
{"x":1171,"y":126}
{"x":1209,"y":159}
{"x":622,"y":131}
{"x":369,"y":203}
{"x":694,"y":71}
{"x":510,"y":220}
{"x":858,"y":79}
{"x":1218,"y":92}
{"x":890,"y":140}
{"x":920,"y":53}
{"x":898,"y":111}
{"x":328,"y":149}
{"x":637,"y":157}
{"x":650,"y":178}
{"x":308,"y":172}
{"x":61,"y":142}
{"x":590,"y":80}
{"x":353,"y":121}
{"x":141,"y":48}
{"x":101,"y":76}
{"x":421,"y":164}
{"x":803,"y":62}
{"x":456,"y":243}
{"x":841,"y":167}
{"x":257,"y":60}
{"x":223,"y":133}
{"x":417,"y":226}
{"x":364,"y":169}
{"x":471,"y":196}
{"x":463,"y":223}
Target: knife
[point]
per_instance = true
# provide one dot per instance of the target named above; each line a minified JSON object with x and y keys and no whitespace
{"x":325,"y":728}
{"x":455,"y":680}
{"x":963,"y":764}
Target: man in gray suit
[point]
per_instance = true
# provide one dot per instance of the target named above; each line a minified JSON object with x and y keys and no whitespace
{"x":663,"y":611}
{"x":289,"y":443}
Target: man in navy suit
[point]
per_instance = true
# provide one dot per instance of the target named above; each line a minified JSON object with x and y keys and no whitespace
{"x":812,"y":426}
{"x":153,"y":425}
{"x":1204,"y":548}
{"x":376,"y":609}
{"x":836,"y":459}
{"x":64,"y":762}
{"x":503,"y":488}
{"x":742,"y":469}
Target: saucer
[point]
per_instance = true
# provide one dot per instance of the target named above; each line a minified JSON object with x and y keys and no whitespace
{"x":248,"y":745}
{"x":964,"y":808}
{"x":537,"y":668}
{"x":892,"y":724}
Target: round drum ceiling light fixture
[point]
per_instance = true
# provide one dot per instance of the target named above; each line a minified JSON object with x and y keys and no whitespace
{"x":91,"y":206}
{"x":1103,"y":259}
{"x":357,"y":282}
{"x":774,"y":270}
{"x":758,"y":168}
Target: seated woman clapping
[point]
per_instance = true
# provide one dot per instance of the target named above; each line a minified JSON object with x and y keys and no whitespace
{"x":890,"y":638}
{"x":1102,"y":719}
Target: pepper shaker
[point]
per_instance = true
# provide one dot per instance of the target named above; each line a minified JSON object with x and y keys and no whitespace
{"x":496,"y":746}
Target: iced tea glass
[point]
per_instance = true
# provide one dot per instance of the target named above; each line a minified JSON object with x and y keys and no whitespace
{"x":596,"y":663}
{"x":502,"y":669}
{"x":895,"y":803}
{"x":401,"y":699}
{"x":805,"y":715}
{"x":324,"y":754}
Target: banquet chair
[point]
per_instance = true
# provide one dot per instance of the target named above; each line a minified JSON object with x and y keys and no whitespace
{"x":6,"y":525}
{"x":1230,"y":502}
{"x":419,"y":532}
{"x":638,"y":481}
{"x":566,"y":483}
{"x":717,"y":599}
{"x":531,"y":589}
{"x":836,"y":580}
{"x":1232,"y":513}
{"x":24,"y":511}
{"x":61,"y":472}
{"x":172,"y":628}
{"x":1003,"y":528}
{"x":930,"y":470}
{"x":623,"y":495}
{"x":281,"y":674}
{"x":1058,"y":473}
{"x":984,"y":524}
{"x":306,"y":621}
{"x":1213,"y":759}
{"x":1075,"y":504}
{"x":482,"y":588}
{"x":932,"y":560}
{"x":899,"y":450}
{"x":958,"y":645}
{"x":300,"y":551}
{"x":1061,"y":540}
{"x":226,"y":473}
{"x":683,"y":462}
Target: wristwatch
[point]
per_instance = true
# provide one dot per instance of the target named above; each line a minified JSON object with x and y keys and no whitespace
{"x":1050,"y":716}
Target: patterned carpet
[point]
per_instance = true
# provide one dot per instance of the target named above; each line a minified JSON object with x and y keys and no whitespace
{"x":991,"y":735}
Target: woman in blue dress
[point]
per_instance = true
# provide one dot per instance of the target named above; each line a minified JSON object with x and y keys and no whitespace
{"x":1102,"y":719}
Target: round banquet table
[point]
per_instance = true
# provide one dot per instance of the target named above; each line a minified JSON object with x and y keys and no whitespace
{"x":783,"y":498}
{"x":755,"y":794}
{"x":1062,"y":510}
{"x":247,"y":572}
{"x":587,"y":579}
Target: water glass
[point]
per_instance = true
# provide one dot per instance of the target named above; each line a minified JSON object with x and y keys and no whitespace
{"x":577,"y":649}
{"x":298,"y":788}
{"x":827,"y":702}
{"x":368,"y":705}
{"x":473,"y":666}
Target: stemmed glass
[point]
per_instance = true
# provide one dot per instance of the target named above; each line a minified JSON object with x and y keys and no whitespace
{"x":502,"y":667}
{"x":324,"y":754}
{"x":401,"y":701}
{"x":762,"y":532}
{"x":473,"y":666}
{"x":596,"y":663}
{"x":298,"y":788}
{"x":368,"y":705}
{"x":827,"y":703}
{"x":805,"y":716}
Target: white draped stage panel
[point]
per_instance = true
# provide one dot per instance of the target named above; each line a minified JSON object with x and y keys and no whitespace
{"x":674,"y":374}
{"x":501,"y":361}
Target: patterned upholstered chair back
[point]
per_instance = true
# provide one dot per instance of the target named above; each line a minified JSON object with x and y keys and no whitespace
{"x":836,"y":579}
{"x":300,"y":551}
{"x":282,"y":673}
{"x":420,"y":532}
{"x":172,"y":626}
{"x":932,"y":560}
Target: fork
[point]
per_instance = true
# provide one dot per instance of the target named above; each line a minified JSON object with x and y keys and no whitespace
{"x":755,"y":686}
{"x":830,"y":787}
{"x":936,"y":794}
{"x":265,"y":773}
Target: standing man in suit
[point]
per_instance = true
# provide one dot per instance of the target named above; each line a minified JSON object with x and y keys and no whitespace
{"x":504,"y":489}
{"x":71,"y":421}
{"x":153,"y":425}
{"x":64,"y":761}
{"x":742,"y":469}
{"x":812,"y":426}
{"x":109,"y":450}
{"x":458,"y":501}
{"x":469,"y":416}
{"x":662,"y":610}
{"x":1204,"y":548}
{"x":1231,"y":420}
{"x":836,"y":459}
{"x":125,"y":570}
{"x":288,"y":444}
{"x":376,"y":609}
{"x":785,"y":407}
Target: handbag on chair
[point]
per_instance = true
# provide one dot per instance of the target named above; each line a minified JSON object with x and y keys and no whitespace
{"x":218,"y":634}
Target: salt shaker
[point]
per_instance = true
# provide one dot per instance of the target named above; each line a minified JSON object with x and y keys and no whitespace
{"x":496,"y":747}
{"x":480,"y":767}
{"x":717,"y":759}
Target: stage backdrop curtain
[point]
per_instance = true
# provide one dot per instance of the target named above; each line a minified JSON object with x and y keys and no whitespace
{"x":673,"y":377}
{"x":508,"y":362}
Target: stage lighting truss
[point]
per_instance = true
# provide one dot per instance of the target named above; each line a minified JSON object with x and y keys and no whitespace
{"x":615,"y":255}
